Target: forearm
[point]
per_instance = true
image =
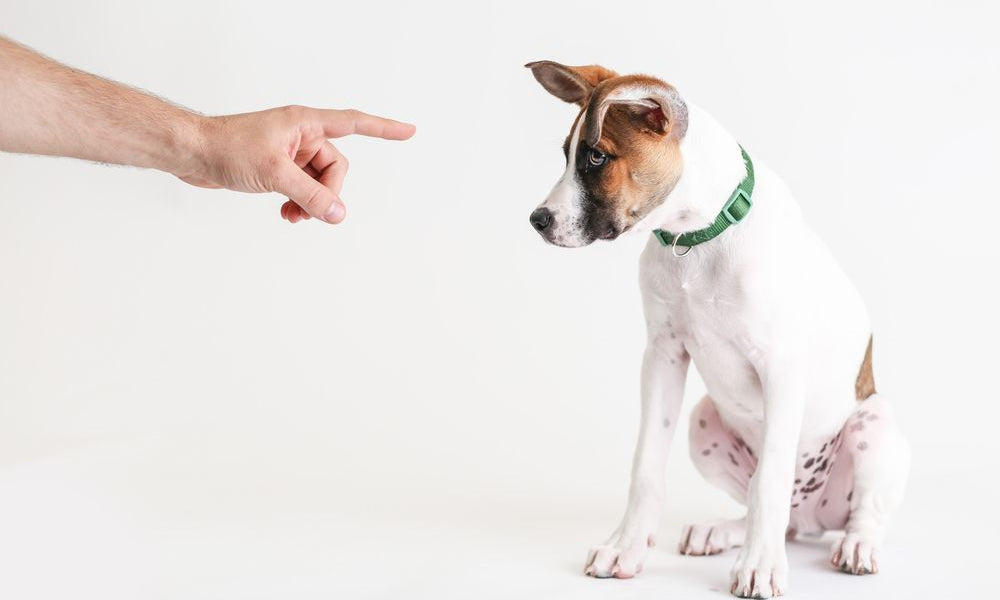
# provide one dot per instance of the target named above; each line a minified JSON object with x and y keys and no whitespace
{"x":48,"y":108}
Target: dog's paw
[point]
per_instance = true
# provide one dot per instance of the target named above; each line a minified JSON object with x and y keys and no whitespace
{"x":619,"y":557}
{"x":760,"y":573}
{"x":855,"y":554}
{"x":705,"y":539}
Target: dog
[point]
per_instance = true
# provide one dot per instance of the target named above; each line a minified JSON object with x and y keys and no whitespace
{"x":733,"y":280}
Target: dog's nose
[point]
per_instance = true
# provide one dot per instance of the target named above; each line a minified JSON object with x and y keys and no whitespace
{"x":541,"y":218}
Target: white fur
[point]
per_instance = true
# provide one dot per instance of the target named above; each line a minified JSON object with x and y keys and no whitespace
{"x":778,"y":334}
{"x":565,"y":199}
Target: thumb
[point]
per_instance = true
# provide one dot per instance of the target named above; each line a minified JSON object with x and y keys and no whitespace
{"x":314,"y":198}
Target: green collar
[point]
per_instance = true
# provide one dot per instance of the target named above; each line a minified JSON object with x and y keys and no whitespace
{"x":732,"y":212}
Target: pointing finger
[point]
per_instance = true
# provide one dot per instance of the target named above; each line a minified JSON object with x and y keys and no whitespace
{"x":338,"y":123}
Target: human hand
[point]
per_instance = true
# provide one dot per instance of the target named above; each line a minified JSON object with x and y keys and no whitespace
{"x":284,"y":150}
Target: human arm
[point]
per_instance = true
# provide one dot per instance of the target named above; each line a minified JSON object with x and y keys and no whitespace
{"x":49,"y":108}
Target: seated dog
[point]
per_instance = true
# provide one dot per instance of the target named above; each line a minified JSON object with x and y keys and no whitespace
{"x":733,"y":279}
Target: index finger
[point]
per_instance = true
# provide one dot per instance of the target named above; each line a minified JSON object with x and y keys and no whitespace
{"x":338,"y":123}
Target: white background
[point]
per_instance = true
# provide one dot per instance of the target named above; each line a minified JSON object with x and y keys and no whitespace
{"x":198,"y":400}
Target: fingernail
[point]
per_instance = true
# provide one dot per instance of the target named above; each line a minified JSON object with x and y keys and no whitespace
{"x":335,"y":214}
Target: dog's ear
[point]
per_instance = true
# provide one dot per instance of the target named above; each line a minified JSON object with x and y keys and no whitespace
{"x":572,"y":84}
{"x":655,"y":104}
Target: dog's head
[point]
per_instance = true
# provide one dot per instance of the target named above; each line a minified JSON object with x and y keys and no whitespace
{"x":622,"y":153}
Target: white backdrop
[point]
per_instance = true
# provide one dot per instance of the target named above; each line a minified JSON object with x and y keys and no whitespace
{"x":199,"y":400}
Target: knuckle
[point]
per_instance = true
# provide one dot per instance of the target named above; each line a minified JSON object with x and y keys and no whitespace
{"x":352,"y":114}
{"x":294,"y":111}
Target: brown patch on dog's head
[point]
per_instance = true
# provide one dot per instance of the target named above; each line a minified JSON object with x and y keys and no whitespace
{"x":572,"y":84}
{"x":622,"y":160}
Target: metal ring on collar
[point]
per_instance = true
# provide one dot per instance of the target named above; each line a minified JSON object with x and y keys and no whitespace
{"x":673,"y":247}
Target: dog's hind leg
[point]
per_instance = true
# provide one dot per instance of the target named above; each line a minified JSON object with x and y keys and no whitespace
{"x":727,"y":462}
{"x":866,"y":487}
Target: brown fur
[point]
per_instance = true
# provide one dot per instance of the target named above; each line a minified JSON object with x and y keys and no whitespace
{"x":669,"y":119}
{"x":865,"y":384}
{"x":645,"y":168}
{"x":594,"y":74}
{"x":641,"y":139}
{"x":572,"y":84}
{"x":647,"y":160}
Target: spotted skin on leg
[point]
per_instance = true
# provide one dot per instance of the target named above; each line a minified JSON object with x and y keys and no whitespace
{"x":721,"y":456}
{"x":840,"y":480}
{"x":865,"y":486}
{"x":724,"y":459}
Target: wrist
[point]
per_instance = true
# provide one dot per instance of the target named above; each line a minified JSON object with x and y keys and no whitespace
{"x":187,"y":149}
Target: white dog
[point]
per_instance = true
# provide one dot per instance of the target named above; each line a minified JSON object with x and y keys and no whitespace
{"x":734,"y":280}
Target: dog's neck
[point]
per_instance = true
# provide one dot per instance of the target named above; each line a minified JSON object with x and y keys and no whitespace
{"x":713,"y":166}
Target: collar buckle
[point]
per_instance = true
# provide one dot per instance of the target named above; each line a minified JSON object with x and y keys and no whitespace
{"x":737,"y":207}
{"x":734,"y":210}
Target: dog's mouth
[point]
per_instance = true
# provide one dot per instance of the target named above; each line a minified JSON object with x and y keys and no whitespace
{"x":563,"y":242}
{"x":579,"y":232}
{"x":612,"y":232}
{"x":609,"y":234}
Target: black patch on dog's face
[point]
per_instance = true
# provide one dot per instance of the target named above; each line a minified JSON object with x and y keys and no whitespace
{"x":597,"y":214}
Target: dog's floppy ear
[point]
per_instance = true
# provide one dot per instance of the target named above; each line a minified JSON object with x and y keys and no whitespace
{"x":572,"y":84}
{"x":656,"y":103}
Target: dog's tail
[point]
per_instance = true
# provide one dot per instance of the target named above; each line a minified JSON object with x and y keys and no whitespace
{"x":865,"y":384}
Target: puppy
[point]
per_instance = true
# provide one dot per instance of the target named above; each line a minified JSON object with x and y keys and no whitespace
{"x":734,"y":280}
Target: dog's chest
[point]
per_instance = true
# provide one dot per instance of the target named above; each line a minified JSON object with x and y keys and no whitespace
{"x":699,"y":304}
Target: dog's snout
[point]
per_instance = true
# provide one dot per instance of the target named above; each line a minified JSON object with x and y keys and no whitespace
{"x":541,"y":218}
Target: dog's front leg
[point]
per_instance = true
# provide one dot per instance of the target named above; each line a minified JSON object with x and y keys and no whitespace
{"x":664,"y":368}
{"x":761,"y":569}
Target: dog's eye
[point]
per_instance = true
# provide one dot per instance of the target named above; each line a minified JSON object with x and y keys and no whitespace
{"x":596,"y":158}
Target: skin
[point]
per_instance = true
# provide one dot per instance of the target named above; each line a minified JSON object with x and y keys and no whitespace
{"x":51,"y":109}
